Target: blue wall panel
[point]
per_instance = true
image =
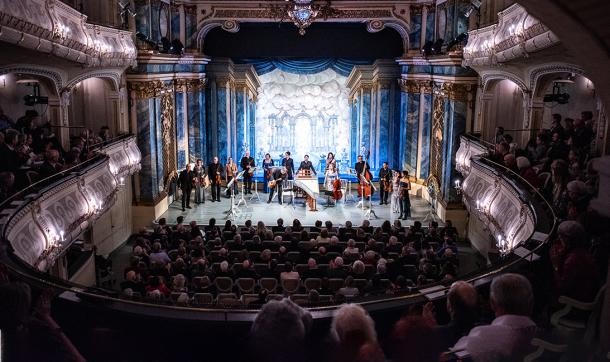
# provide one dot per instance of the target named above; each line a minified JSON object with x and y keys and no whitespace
{"x":384,"y":125}
{"x":425,"y":147}
{"x":181,"y":131}
{"x":412,"y":128}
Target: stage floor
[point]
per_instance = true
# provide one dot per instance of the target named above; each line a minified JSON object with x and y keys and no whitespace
{"x":256,"y":210}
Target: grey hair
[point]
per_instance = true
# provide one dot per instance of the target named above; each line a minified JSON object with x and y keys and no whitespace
{"x":350,"y":318}
{"x":513,"y":293}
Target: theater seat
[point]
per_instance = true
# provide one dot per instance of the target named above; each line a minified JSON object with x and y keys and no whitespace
{"x":335,"y":284}
{"x":312,"y":283}
{"x":203,"y":299}
{"x":246,"y":285}
{"x":224,"y":284}
{"x":270,"y":284}
{"x":227,"y":299}
{"x":291,"y":286}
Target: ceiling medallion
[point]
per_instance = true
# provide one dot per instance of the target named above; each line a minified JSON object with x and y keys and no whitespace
{"x":303,"y":12}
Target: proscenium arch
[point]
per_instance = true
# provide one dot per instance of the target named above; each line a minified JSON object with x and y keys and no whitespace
{"x":232,"y":26}
{"x":493,"y":78}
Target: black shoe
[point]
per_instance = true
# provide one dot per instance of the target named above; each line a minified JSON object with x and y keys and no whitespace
{"x":268,"y":201}
{"x":183,"y":209}
{"x":188,"y":207}
{"x":281,"y":203}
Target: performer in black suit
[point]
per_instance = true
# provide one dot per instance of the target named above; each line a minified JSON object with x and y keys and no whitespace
{"x":247,"y":164}
{"x":289,"y":164}
{"x":215,"y":175}
{"x":278,"y":175}
{"x":306,"y":165}
{"x":363,"y":169}
{"x":185,"y":182}
{"x":385,"y":181}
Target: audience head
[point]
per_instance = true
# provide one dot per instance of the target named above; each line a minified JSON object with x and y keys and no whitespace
{"x":351,"y":328}
{"x":280,"y":321}
{"x":511,"y":294}
{"x":522,"y":162}
{"x":572,"y":234}
{"x":462,"y":301}
{"x":416,"y":339}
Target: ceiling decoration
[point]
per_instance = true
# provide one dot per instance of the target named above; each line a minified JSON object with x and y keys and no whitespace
{"x":303,"y":12}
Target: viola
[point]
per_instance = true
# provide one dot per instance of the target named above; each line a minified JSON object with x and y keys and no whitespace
{"x":337,"y":193}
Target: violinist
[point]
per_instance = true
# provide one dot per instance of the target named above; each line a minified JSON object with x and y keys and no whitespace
{"x":267,"y":168}
{"x":247,"y":164}
{"x":385,"y":183}
{"x":230,"y":174}
{"x":200,"y":174}
{"x":215,"y":174}
{"x":405,"y":202}
{"x":277,"y":177}
{"x":363,"y":172}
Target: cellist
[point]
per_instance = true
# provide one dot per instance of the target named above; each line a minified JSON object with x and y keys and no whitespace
{"x":363,"y":172}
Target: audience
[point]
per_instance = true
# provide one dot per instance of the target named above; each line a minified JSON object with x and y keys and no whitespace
{"x":353,"y":335}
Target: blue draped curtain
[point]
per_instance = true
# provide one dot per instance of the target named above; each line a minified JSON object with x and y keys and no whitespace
{"x":304,"y":65}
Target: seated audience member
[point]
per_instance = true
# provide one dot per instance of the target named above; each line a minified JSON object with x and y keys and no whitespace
{"x":51,"y":164}
{"x":260,"y":300}
{"x":224,"y":270}
{"x":462,"y":309}
{"x":358,"y":270}
{"x":575,"y":272}
{"x":246,"y":271}
{"x":323,"y":238}
{"x":351,"y":248}
{"x":179,"y":284}
{"x":271,"y":271}
{"x":348,"y":290}
{"x":279,"y":227}
{"x":156,"y":284}
{"x":11,"y":161}
{"x":336,"y":269}
{"x":508,"y":337}
{"x":510,"y":162}
{"x":132,"y":282}
{"x":313,"y":271}
{"x":577,"y":200}
{"x":322,"y":258}
{"x":333,"y":246}
{"x":449,"y":230}
{"x":30,"y":333}
{"x":527,"y":171}
{"x":7,"y":183}
{"x":158,"y":255}
{"x":414,"y":339}
{"x":353,"y":335}
{"x":280,"y":332}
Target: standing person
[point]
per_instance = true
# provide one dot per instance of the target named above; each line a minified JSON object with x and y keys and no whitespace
{"x":199,"y":174}
{"x":215,"y":175}
{"x":385,"y":180}
{"x":289,"y":164}
{"x":331,"y":173}
{"x":306,"y":165}
{"x":278,"y":175}
{"x":405,"y":202}
{"x":396,"y":192}
{"x":247,"y":164}
{"x":230,"y":174}
{"x":185,"y":182}
{"x":363,"y":171}
{"x":267,"y":170}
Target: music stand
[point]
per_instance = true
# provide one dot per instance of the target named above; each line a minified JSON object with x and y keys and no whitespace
{"x":431,"y":216}
{"x":241,"y":197}
{"x":367,"y":214}
{"x":348,"y":193}
{"x":255,"y":194}
{"x":234,"y":211}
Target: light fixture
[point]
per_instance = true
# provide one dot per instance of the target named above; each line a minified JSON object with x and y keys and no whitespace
{"x":3,"y":80}
{"x":303,"y":12}
{"x":458,"y":186}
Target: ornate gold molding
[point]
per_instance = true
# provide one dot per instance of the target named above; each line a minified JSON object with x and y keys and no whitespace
{"x":190,"y":85}
{"x":270,"y":14}
{"x":455,"y":91}
{"x":436,"y":150}
{"x":168,"y":134}
{"x":148,"y":89}
{"x":415,"y":86}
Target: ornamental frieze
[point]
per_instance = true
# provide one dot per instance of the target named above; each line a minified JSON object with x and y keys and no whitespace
{"x":271,"y":14}
{"x":149,"y":89}
{"x":190,"y":85}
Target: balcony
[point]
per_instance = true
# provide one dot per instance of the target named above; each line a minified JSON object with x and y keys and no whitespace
{"x":54,"y":27}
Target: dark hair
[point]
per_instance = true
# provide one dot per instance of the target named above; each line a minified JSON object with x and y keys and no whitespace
{"x":288,"y":153}
{"x":180,"y":219}
{"x":280,"y":221}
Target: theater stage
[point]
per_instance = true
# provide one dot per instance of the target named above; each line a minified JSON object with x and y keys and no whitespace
{"x":259,"y":210}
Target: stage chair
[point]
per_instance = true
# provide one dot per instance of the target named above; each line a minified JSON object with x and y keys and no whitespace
{"x":288,"y":190}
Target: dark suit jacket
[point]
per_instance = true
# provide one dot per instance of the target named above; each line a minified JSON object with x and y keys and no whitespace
{"x":185,"y":180}
{"x":289,"y":164}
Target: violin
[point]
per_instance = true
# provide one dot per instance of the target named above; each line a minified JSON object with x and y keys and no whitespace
{"x":337,"y":193}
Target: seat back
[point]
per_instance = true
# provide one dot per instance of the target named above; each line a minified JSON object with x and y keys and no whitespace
{"x":248,"y":298}
{"x":223,"y":284}
{"x":270,"y":284}
{"x":291,"y":285}
{"x":360,"y":283}
{"x":301,"y":268}
{"x":227,"y":299}
{"x":246,"y":285}
{"x":203,"y":299}
{"x":312,"y":283}
{"x":335,"y":284}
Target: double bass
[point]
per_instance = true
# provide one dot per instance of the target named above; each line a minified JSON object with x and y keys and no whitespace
{"x":337,"y":193}
{"x":365,"y":187}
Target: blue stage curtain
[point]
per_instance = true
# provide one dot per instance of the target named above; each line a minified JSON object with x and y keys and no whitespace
{"x":304,"y":65}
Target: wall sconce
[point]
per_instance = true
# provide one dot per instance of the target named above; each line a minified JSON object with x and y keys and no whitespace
{"x":3,"y":81}
{"x":121,"y":181}
{"x":458,"y":186}
{"x":62,"y":32}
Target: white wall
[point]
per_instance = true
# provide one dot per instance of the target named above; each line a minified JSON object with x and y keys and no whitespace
{"x":582,"y":98}
{"x":505,"y":109}
{"x":114,"y":227}
{"x":11,"y":97}
{"x":94,"y":104}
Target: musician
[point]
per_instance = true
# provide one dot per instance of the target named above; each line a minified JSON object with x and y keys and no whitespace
{"x":363,"y":171}
{"x":267,"y":169}
{"x":330,"y":175}
{"x":385,"y":179}
{"x":230,"y":173}
{"x":199,"y":174}
{"x":289,"y":164}
{"x":185,"y":182}
{"x":396,"y":175}
{"x":247,"y":164}
{"x":306,"y":165}
{"x":215,"y":175}
{"x":278,"y":175}
{"x":405,"y":202}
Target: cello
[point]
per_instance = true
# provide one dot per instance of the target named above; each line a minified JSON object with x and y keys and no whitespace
{"x":337,"y":193}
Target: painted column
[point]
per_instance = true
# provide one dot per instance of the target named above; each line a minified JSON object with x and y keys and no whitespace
{"x":252,"y":130}
{"x":426,"y":123}
{"x":181,"y":129}
{"x":182,"y":24}
{"x":354,"y":146}
{"x":402,"y":145}
{"x":241,"y":123}
{"x":365,"y":118}
{"x":385,"y":116}
{"x":147,"y":144}
{"x":424,"y":26}
{"x":158,"y":141}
